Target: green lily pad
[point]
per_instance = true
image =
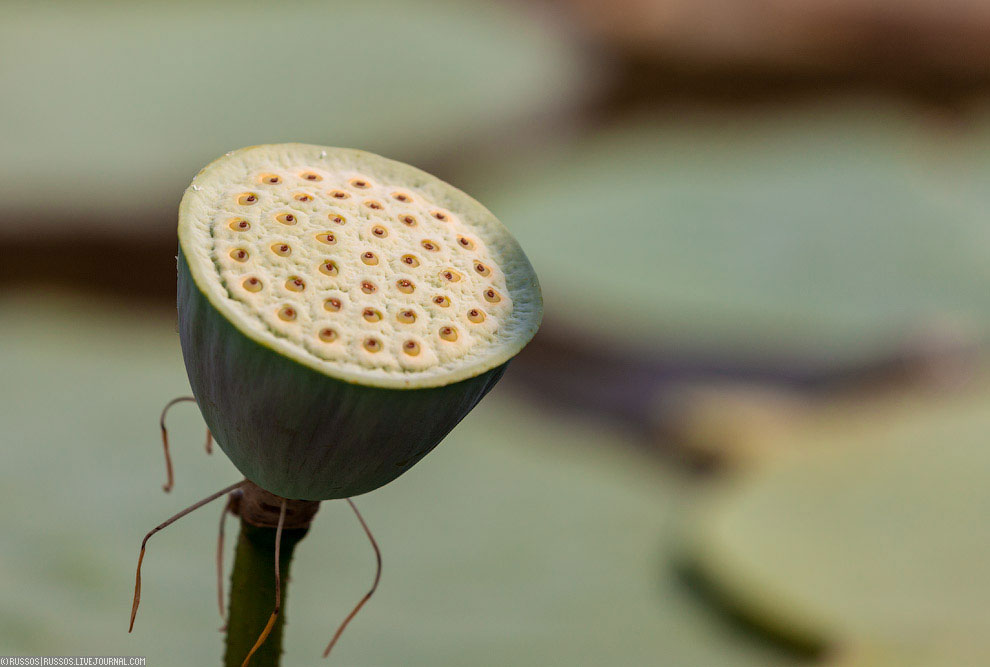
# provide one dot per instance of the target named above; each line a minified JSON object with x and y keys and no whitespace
{"x":521,"y":541}
{"x":109,"y":110}
{"x":824,"y":233}
{"x":875,"y":534}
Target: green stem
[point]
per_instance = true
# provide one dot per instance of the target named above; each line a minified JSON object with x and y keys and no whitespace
{"x":252,"y":594}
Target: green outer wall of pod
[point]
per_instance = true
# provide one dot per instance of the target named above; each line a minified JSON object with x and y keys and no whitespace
{"x":301,"y":434}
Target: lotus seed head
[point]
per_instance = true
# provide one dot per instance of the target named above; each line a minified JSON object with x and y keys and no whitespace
{"x":336,"y":272}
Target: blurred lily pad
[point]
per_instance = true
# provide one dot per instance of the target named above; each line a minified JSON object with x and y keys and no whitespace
{"x":829,"y":233}
{"x":522,"y":541}
{"x":875,"y":534}
{"x":109,"y":110}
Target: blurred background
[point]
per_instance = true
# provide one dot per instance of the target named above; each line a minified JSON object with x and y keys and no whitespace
{"x":754,"y":429}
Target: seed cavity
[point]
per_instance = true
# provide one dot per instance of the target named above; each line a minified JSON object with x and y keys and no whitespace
{"x":359,"y":183}
{"x":270,"y":179}
{"x":371,"y":315}
{"x":327,"y":238}
{"x":429,"y":245}
{"x":379,"y":231}
{"x":482,"y":269}
{"x":401,"y":196}
{"x":408,"y":220}
{"x":476,"y":316}
{"x":302,"y":196}
{"x":282,"y":249}
{"x":338,"y":219}
{"x":329,"y":268}
{"x":239,"y":225}
{"x":252,"y":284}
{"x":374,"y":205}
{"x":410,"y":260}
{"x":372,"y":345}
{"x":310,"y":176}
{"x":368,"y":287}
{"x":465,"y":242}
{"x":448,"y":334}
{"x":239,"y":254}
{"x":369,"y":258}
{"x":286,"y":218}
{"x":287,"y":314}
{"x":450,"y":275}
{"x":441,"y":301}
{"x":405,"y":286}
{"x":411,"y":348}
{"x":247,"y":199}
{"x":295,"y":284}
{"x":328,"y":335}
{"x":440,"y":215}
{"x":491,"y":296}
{"x":406,"y":316}
{"x":339,"y":194}
{"x":332,"y":305}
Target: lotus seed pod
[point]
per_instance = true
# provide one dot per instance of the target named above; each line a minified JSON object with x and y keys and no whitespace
{"x":328,"y":348}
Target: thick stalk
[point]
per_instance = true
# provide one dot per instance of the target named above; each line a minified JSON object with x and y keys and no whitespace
{"x":252,"y":582}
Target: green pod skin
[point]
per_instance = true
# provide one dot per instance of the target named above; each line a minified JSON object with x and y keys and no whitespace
{"x":301,"y":434}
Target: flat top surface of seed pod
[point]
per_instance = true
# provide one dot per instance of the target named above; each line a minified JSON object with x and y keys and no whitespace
{"x":360,"y":267}
{"x":527,"y":541}
{"x":115,"y":110}
{"x":876,"y":533}
{"x":833,"y":231}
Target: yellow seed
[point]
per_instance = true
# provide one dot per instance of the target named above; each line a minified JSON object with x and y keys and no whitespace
{"x":408,"y":220}
{"x":476,"y":315}
{"x":368,"y":287}
{"x":328,"y":335}
{"x":327,"y":238}
{"x":332,"y":304}
{"x":310,"y":176}
{"x":374,"y":205}
{"x":491,"y":296}
{"x":287,"y":313}
{"x":379,"y":231}
{"x":295,"y":284}
{"x":410,"y":260}
{"x":482,"y":269}
{"x":401,"y":196}
{"x":371,"y":315}
{"x":247,"y":199}
{"x":286,"y":218}
{"x":465,"y":242}
{"x":359,"y":183}
{"x":372,"y":344}
{"x":252,"y":284}
{"x":239,"y":254}
{"x":405,"y":286}
{"x":302,"y":196}
{"x":440,"y":215}
{"x":411,"y":348}
{"x":369,"y":258}
{"x":329,"y":268}
{"x":281,"y":249}
{"x":270,"y":179}
{"x":429,"y":245}
{"x":441,"y":301}
{"x":338,"y":194}
{"x":239,"y":225}
{"x":450,"y":275}
{"x":339,"y":219}
{"x":448,"y":333}
{"x":406,"y":316}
